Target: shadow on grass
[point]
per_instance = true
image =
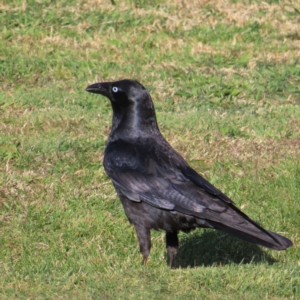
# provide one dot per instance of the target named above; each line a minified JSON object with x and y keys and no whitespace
{"x":218,"y":248}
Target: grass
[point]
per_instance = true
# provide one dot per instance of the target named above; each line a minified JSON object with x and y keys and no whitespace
{"x":224,"y":77}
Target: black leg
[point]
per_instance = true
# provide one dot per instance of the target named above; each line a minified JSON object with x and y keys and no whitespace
{"x":172,"y":247}
{"x":143,"y":235}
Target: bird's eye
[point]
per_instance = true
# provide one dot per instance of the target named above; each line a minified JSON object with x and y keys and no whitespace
{"x":115,"y":89}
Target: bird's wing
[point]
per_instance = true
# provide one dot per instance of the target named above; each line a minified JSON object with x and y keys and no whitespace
{"x":197,"y":179}
{"x":148,"y":174}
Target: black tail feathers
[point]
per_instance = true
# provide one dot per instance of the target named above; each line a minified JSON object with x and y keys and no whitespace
{"x":259,"y":236}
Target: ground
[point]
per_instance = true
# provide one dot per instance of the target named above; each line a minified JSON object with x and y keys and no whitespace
{"x":224,"y":77}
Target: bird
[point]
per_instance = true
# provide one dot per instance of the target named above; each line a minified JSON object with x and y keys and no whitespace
{"x":158,"y":189}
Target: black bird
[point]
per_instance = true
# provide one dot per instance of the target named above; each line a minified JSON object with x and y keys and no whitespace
{"x":157,"y":187}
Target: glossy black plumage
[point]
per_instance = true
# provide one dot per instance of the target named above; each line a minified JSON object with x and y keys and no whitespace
{"x":157,"y":187}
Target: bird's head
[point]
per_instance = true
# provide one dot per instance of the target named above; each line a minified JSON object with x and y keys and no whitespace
{"x":120,"y":93}
{"x":133,"y":109}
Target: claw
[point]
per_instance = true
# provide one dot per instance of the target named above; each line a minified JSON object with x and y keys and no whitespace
{"x":144,"y":261}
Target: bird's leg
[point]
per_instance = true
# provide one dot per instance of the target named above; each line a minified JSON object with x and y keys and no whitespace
{"x":143,"y":235}
{"x":172,"y":247}
{"x":144,"y":261}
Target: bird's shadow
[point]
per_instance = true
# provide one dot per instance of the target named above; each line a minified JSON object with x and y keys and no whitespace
{"x":217,"y":248}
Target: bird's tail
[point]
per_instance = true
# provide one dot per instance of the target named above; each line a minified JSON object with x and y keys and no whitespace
{"x":240,"y":225}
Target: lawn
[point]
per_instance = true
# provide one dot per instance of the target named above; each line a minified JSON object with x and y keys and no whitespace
{"x":225,"y":80}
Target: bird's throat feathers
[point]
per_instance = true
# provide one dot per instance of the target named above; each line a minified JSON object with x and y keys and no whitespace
{"x":134,"y":119}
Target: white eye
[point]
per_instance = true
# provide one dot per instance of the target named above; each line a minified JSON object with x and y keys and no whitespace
{"x":115,"y":89}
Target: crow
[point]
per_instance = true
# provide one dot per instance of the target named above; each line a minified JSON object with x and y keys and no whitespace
{"x":157,"y":187}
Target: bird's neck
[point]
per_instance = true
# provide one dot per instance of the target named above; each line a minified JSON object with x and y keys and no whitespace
{"x":133,"y":122}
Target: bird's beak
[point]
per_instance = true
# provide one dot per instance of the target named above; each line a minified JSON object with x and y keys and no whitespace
{"x":99,"y":88}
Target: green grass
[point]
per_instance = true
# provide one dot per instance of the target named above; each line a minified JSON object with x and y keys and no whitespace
{"x":224,"y":77}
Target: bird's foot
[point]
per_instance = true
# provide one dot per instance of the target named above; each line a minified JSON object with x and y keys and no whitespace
{"x":144,"y":261}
